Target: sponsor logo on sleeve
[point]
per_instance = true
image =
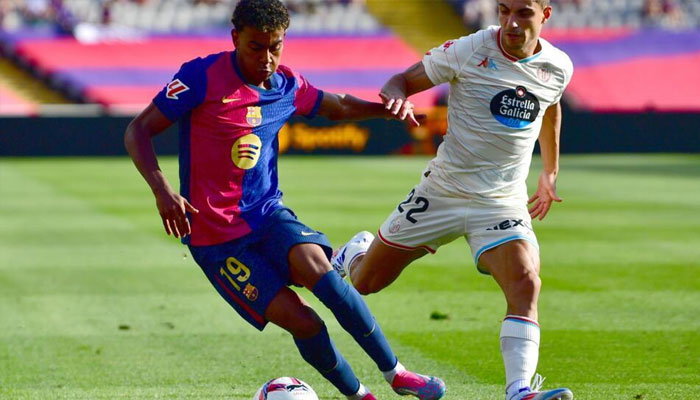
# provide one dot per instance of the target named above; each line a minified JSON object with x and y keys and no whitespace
{"x":175,"y":88}
{"x":515,"y":108}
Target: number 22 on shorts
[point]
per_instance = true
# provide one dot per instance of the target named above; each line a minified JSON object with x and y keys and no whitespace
{"x":419,"y":200}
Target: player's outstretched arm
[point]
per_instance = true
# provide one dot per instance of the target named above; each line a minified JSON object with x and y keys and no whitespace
{"x":346,"y":107}
{"x":138,"y":141}
{"x":546,"y":192}
{"x":399,"y":87}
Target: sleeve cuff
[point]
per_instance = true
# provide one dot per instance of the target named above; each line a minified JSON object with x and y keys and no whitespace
{"x":164,"y":110}
{"x":430,"y":72}
{"x":317,"y":105}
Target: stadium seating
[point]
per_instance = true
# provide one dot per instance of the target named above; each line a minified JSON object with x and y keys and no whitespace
{"x":125,"y":75}
{"x":186,"y":16}
{"x":122,"y":64}
{"x":599,"y":14}
{"x":624,"y":60}
{"x":632,"y":70}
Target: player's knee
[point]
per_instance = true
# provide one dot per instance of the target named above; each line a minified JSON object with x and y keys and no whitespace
{"x":523,"y":294}
{"x":308,"y":264}
{"x":306,"y":326}
{"x":528,"y":286}
{"x":365,"y":286}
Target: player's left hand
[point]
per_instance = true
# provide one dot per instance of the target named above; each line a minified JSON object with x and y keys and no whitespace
{"x":546,"y":193}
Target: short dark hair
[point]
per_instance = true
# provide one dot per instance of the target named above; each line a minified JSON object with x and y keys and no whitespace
{"x":263,"y":15}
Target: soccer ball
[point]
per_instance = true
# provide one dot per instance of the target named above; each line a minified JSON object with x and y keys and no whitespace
{"x":285,"y":388}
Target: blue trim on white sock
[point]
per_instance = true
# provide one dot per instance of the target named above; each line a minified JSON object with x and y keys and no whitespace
{"x":520,"y":321}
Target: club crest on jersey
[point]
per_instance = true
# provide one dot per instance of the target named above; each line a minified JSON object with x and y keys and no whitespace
{"x":395,"y":225}
{"x":515,"y":108}
{"x":251,"y":292}
{"x":174,"y":88}
{"x":544,"y":73}
{"x":246,"y":151}
{"x":254,"y":116}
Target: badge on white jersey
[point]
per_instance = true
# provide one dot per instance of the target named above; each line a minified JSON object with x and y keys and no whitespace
{"x":544,"y":73}
{"x":515,"y":108}
{"x":174,"y":88}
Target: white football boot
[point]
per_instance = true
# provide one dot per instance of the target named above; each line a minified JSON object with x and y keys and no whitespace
{"x":535,"y":393}
{"x":357,"y":246}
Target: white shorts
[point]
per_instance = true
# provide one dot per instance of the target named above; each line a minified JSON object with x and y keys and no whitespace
{"x":428,"y":219}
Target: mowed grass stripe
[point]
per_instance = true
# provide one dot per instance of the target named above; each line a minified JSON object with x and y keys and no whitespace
{"x":209,"y":363}
{"x":577,"y":359}
{"x":176,"y":312}
{"x":467,"y":390}
{"x":48,"y":226}
{"x":618,"y":309}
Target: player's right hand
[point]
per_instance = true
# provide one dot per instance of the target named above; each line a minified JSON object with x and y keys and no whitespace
{"x":546,"y":193}
{"x":400,"y":107}
{"x":173,"y":210}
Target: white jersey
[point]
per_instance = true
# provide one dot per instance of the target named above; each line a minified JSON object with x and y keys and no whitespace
{"x":495,"y":113}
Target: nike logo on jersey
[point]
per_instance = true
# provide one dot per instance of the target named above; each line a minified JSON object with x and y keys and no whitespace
{"x":174,"y":88}
{"x":226,"y":100}
{"x":307,"y":233}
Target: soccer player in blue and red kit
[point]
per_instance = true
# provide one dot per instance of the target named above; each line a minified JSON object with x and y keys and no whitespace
{"x":230,"y":107}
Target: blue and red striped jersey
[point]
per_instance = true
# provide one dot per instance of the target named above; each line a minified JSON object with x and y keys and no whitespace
{"x":228,"y":142}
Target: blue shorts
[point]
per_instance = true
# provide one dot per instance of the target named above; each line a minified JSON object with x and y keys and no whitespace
{"x":248,"y":272}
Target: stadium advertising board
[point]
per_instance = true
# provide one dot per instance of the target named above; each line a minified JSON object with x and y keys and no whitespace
{"x":71,"y":136}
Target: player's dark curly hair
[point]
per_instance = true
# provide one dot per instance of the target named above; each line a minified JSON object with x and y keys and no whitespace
{"x":263,"y":15}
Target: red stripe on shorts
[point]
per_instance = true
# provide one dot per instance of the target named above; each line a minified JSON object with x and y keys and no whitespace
{"x":400,"y":246}
{"x":259,"y":319}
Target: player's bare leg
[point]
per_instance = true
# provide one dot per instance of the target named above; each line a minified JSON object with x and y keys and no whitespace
{"x":292,"y":313}
{"x":308,"y":264}
{"x":380,"y":266}
{"x":515,"y":266}
{"x":371,"y":264}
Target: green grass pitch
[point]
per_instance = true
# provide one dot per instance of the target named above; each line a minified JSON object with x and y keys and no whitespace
{"x":96,"y":302}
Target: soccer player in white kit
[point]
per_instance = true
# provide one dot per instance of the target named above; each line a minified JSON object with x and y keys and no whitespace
{"x":505,"y":87}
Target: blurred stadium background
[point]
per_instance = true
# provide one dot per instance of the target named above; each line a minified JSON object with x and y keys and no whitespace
{"x":72,"y":72}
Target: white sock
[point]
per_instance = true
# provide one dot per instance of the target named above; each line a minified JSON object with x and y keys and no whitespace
{"x":351,"y":263}
{"x":515,"y":387}
{"x":389,"y":375}
{"x":520,"y":345}
{"x":361,"y":392}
